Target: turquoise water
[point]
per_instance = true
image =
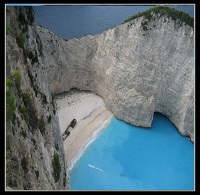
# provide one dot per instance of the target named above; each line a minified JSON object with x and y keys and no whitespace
{"x":125,"y":157}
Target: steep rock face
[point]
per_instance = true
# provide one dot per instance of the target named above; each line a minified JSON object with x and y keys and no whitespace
{"x":137,"y":71}
{"x":35,"y":157}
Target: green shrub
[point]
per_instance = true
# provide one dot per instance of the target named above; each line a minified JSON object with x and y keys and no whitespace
{"x":26,"y":98}
{"x":31,"y":112}
{"x":24,"y":113}
{"x":9,"y":82}
{"x":8,"y":153}
{"x":20,"y":40}
{"x":56,"y":167}
{"x":10,"y":105}
{"x":16,"y":76}
{"x":23,"y":22}
{"x":57,"y":147}
{"x":164,"y":10}
{"x":8,"y":30}
{"x":30,"y":14}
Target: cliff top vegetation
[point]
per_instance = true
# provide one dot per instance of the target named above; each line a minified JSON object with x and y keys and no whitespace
{"x":164,"y":10}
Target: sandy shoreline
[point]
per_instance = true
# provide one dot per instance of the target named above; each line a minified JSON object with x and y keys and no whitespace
{"x":92,"y":116}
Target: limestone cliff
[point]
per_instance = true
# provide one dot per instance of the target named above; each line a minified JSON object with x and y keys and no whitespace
{"x":139,"y":67}
{"x":137,"y":70}
{"x":35,"y":157}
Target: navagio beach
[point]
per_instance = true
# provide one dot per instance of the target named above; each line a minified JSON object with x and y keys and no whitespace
{"x":129,"y":88}
{"x":92,"y":117}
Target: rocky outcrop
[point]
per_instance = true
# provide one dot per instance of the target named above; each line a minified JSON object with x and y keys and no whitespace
{"x":35,"y":158}
{"x":137,"y":71}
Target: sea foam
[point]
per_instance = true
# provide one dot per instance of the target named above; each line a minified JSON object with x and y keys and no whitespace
{"x":95,"y":134}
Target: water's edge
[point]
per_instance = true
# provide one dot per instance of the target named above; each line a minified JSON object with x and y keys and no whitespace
{"x":87,"y":142}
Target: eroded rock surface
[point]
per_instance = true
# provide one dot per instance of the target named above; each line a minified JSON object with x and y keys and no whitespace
{"x":136,"y":71}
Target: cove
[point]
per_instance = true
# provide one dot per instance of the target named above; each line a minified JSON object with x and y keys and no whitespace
{"x":125,"y":157}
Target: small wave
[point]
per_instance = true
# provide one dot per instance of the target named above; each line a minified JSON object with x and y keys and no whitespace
{"x":94,"y":167}
{"x":89,"y":141}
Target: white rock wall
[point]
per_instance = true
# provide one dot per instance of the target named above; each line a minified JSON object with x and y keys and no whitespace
{"x":136,"y":72}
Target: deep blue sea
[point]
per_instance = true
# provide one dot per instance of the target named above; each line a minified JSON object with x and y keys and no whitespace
{"x":76,"y":21}
{"x":125,"y":157}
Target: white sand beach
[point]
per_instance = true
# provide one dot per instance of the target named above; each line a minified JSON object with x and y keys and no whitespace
{"x":92,"y":116}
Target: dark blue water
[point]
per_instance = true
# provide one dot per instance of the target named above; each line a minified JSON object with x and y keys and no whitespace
{"x":77,"y":21}
{"x":125,"y":157}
